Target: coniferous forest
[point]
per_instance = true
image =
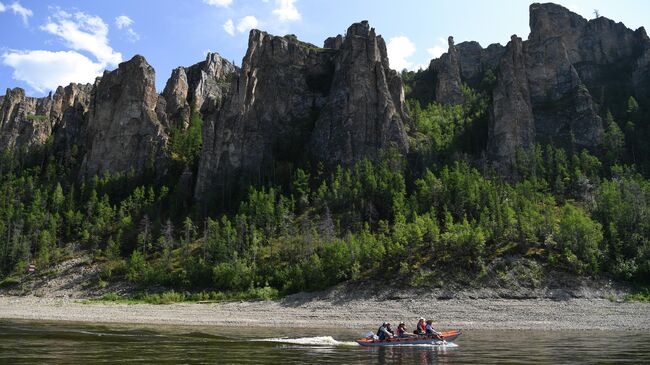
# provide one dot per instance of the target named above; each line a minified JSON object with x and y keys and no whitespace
{"x":440,"y":213}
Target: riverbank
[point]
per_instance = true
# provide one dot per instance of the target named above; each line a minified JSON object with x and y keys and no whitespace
{"x":309,"y":311}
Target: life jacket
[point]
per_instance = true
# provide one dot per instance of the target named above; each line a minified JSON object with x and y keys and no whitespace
{"x":400,"y":331}
{"x":421,"y":327}
{"x":429,"y":329}
{"x":381,"y":335}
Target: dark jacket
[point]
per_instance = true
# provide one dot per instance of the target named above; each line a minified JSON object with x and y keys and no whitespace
{"x":384,"y":332}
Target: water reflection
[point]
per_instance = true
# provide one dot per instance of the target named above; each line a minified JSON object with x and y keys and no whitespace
{"x":38,"y":342}
{"x":413,"y":354}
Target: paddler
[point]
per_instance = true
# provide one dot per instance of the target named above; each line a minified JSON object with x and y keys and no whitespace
{"x":401,"y":331}
{"x":431,"y":332}
{"x":421,"y":327}
{"x":385,"y":332}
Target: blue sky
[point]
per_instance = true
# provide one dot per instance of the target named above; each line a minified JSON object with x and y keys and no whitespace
{"x":45,"y":43}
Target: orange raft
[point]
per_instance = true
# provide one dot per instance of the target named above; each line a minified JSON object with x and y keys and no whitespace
{"x":447,"y":337}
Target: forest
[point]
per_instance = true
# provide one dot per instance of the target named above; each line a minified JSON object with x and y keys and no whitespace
{"x":441,"y":213}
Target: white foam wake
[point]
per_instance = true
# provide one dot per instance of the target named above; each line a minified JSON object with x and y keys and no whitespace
{"x":311,"y":341}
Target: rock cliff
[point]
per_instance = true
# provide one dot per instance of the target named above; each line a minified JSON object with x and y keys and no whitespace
{"x":512,"y":124}
{"x":27,"y":122}
{"x":124,"y":131}
{"x":553,"y":87}
{"x":292,"y":100}
{"x":199,"y":88}
{"x":448,"y":81}
{"x":574,"y":68}
{"x":365,"y":110}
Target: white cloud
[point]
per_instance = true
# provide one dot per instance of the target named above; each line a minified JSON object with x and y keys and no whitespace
{"x":399,"y":50}
{"x":247,"y":23}
{"x":46,"y":70}
{"x":125,"y":23}
{"x":83,"y":32}
{"x":18,"y":10}
{"x":436,"y":51}
{"x":440,"y":48}
{"x":132,"y":35}
{"x":221,"y":3}
{"x":229,"y":27}
{"x":286,"y":10}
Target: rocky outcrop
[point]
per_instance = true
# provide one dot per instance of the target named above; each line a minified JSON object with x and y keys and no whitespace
{"x":199,"y":88}
{"x":448,"y":81}
{"x":275,"y":101}
{"x":27,"y":122}
{"x":573,"y":68}
{"x":608,"y":57}
{"x":364,"y":112}
{"x":560,"y":79}
{"x":475,"y":60}
{"x":512,"y":124}
{"x":464,"y":63}
{"x":24,"y":121}
{"x":70,"y":116}
{"x":292,"y":100}
{"x":124,"y":132}
{"x":564,"y":111}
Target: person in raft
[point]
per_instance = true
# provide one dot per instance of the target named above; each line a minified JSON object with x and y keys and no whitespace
{"x":401,"y":331}
{"x":421,"y":327}
{"x":431,"y":332}
{"x":385,"y":332}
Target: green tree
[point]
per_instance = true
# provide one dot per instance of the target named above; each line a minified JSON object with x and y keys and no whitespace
{"x":579,"y":239}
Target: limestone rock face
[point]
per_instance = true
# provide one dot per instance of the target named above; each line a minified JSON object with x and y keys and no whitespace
{"x":292,"y":100}
{"x":176,"y":94}
{"x":70,"y":106}
{"x":124,"y":133}
{"x":27,"y":122}
{"x":200,"y":87}
{"x":364,"y":112}
{"x":274,"y":103}
{"x":448,"y":82}
{"x":24,"y":121}
{"x":573,"y":66}
{"x":464,"y":63}
{"x":564,"y":110}
{"x":606,"y":55}
{"x":475,"y":60}
{"x":641,"y":73}
{"x":512,"y":124}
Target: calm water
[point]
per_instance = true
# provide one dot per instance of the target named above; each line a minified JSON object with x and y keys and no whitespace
{"x":56,"y":343}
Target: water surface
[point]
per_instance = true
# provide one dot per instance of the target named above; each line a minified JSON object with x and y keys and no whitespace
{"x":27,"y":342}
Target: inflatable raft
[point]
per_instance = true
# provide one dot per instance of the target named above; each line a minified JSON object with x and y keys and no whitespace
{"x":447,"y":337}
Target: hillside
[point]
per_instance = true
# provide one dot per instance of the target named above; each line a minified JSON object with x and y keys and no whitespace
{"x":501,"y":167}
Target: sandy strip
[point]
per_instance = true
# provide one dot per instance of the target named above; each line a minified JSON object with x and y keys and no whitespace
{"x":576,"y":314}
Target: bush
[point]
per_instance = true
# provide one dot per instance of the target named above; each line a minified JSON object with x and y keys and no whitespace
{"x":137,"y":268}
{"x":164,"y":298}
{"x":232,"y":276}
{"x":579,"y":239}
{"x":111,"y":297}
{"x":8,"y":282}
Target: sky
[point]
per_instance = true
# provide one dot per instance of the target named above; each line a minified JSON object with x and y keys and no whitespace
{"x":46,"y":43}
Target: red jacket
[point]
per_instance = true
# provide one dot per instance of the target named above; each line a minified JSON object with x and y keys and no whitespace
{"x":422,"y":327}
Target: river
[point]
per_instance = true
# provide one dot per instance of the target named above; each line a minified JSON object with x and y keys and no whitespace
{"x":27,"y":342}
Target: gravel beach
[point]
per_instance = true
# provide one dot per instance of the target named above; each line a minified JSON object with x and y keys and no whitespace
{"x":303,"y":311}
{"x":570,"y":304}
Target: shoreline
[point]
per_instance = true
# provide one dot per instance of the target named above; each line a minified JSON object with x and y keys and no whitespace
{"x":311,"y":312}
